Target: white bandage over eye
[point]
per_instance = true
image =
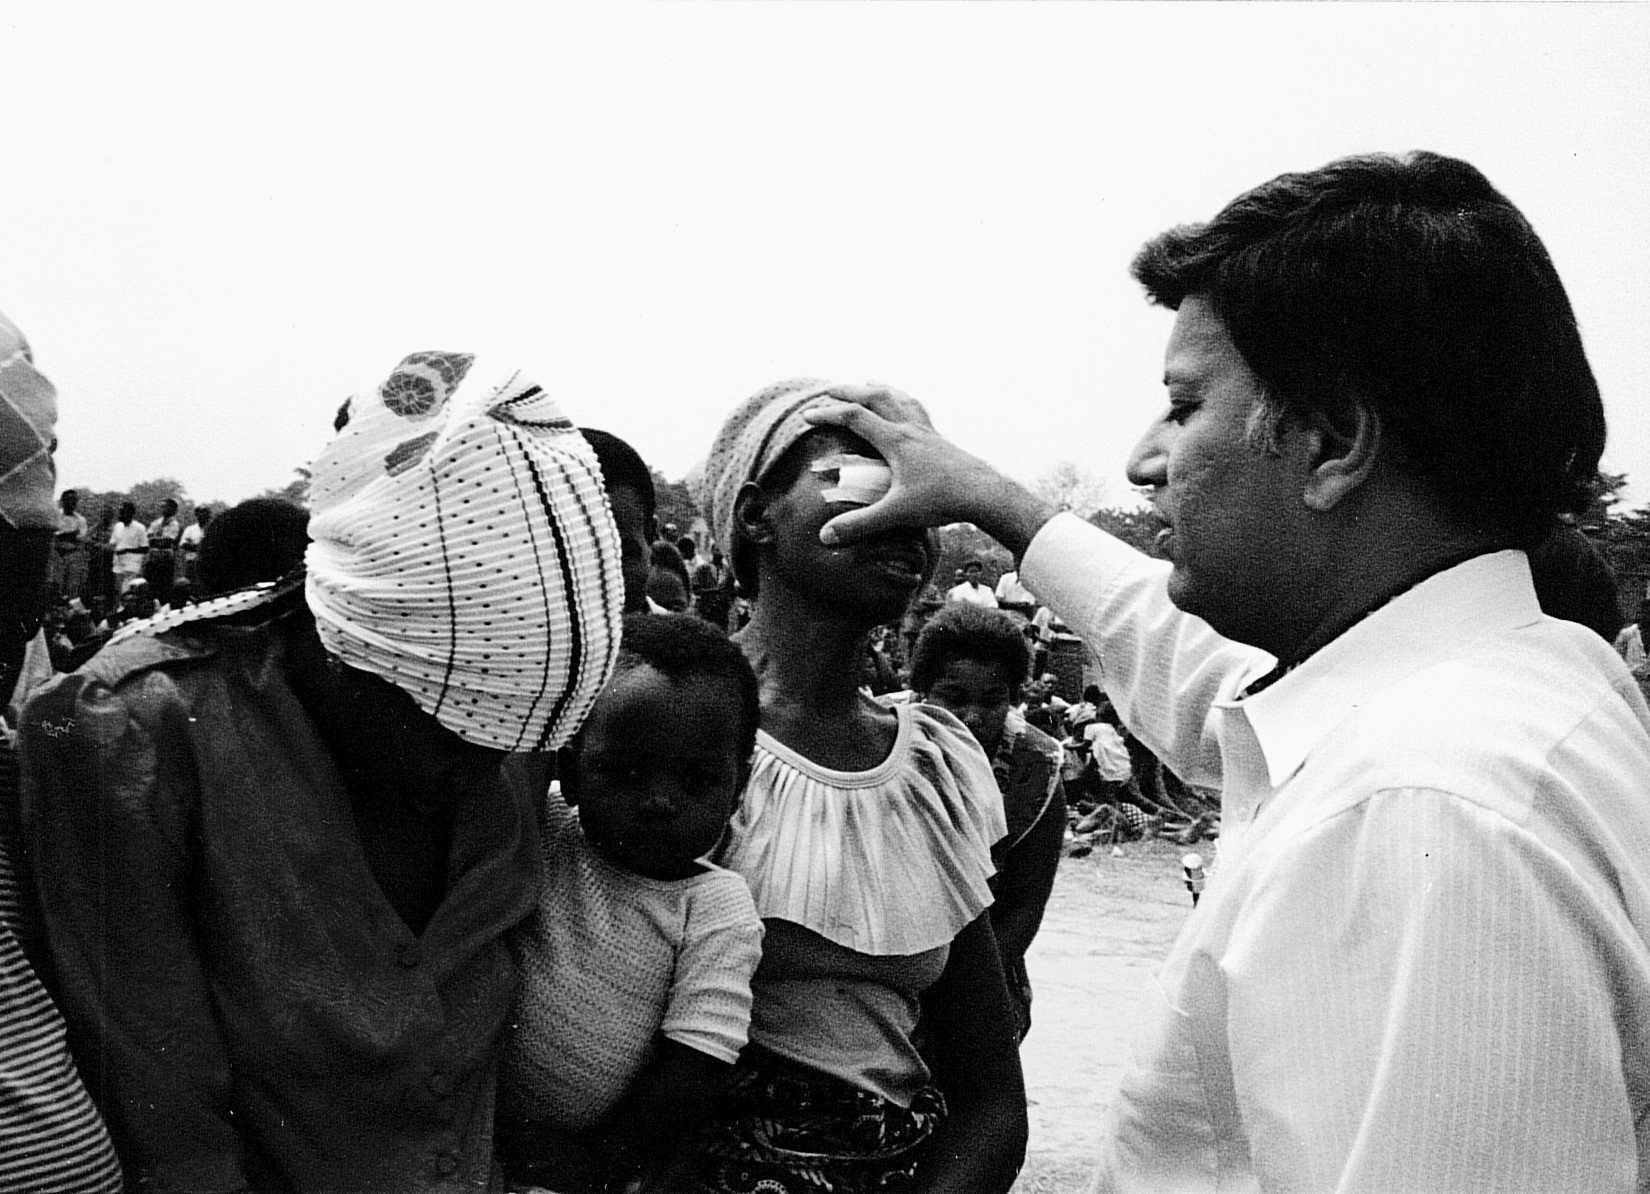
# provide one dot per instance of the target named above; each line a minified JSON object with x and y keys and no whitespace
{"x":860,"y":480}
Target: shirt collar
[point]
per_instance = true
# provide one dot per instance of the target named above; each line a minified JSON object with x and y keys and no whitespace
{"x":1414,"y":630}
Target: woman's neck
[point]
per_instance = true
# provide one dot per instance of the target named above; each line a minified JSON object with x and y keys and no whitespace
{"x":804,"y":652}
{"x":808,"y":659}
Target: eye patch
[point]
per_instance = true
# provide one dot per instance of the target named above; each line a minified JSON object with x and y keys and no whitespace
{"x":859,"y":479}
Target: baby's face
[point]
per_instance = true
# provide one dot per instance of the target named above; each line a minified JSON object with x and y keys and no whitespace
{"x":656,"y":771}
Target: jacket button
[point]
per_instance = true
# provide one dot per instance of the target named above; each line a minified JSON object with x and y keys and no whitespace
{"x":409,"y":955}
{"x":446,"y":1164}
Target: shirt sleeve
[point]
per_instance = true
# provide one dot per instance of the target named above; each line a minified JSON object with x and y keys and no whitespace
{"x":1162,"y":668}
{"x":710,"y":999}
{"x":1421,"y":995}
{"x":109,"y":810}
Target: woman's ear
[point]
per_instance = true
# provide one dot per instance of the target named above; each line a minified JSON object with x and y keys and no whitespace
{"x":1341,"y":457}
{"x":750,"y":514}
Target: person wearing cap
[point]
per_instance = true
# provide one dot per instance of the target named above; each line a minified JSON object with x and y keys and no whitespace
{"x":865,"y":834}
{"x":52,"y":1139}
{"x":1422,"y":958}
{"x":277,"y":851}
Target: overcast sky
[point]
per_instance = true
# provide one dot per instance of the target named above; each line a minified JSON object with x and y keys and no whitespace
{"x":217,"y":221}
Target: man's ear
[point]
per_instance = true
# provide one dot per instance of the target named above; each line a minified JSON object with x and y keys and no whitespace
{"x":750,"y":513}
{"x":567,"y":771}
{"x":1340,"y":457}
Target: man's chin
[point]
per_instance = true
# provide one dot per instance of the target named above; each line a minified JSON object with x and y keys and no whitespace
{"x":1192,"y":598}
{"x":1182,"y":591}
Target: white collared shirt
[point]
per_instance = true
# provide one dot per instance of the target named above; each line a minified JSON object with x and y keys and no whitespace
{"x":1422,"y":961}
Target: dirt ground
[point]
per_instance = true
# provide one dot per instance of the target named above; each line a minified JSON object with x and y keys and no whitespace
{"x":1108,"y":925}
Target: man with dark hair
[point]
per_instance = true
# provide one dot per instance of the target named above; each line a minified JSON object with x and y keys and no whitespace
{"x":1423,"y":958}
{"x":971,"y":588}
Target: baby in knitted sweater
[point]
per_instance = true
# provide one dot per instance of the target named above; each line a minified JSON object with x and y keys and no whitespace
{"x":636,"y":967}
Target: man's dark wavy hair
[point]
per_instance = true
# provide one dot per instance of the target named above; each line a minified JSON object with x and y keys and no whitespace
{"x":1411,"y":284}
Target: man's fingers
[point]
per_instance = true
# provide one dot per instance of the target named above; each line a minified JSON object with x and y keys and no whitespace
{"x":849,"y":415}
{"x":854,"y":524}
{"x":885,"y":401}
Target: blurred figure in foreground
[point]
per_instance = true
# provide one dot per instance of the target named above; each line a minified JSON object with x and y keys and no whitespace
{"x":277,"y":853}
{"x":52,"y":1140}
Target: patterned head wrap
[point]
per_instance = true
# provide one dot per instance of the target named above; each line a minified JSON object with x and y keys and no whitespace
{"x":28,"y":414}
{"x":463,"y":549}
{"x":754,"y":436}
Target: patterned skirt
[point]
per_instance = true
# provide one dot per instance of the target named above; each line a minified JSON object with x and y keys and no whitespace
{"x":788,"y":1129}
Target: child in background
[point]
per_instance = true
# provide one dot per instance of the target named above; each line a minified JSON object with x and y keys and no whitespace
{"x":636,"y":967}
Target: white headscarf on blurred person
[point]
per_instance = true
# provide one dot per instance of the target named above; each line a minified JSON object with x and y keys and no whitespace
{"x":463,"y":549}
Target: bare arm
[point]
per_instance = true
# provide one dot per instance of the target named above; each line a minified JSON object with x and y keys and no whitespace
{"x":980,"y":1146}
{"x":935,"y":482}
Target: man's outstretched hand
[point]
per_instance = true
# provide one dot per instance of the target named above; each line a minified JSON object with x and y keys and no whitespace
{"x":935,"y":482}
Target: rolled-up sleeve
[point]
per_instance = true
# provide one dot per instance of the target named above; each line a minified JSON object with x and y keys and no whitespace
{"x":109,"y":808}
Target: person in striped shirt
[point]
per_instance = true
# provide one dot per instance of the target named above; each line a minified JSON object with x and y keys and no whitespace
{"x":51,"y":1136}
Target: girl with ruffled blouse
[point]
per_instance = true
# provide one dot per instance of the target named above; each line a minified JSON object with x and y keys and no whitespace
{"x":882,"y":1051}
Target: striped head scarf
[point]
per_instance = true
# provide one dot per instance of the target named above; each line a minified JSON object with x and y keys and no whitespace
{"x":28,"y":414}
{"x":463,"y":549}
{"x":752,"y":438}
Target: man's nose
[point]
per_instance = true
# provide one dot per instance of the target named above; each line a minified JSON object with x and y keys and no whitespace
{"x":1149,"y":462}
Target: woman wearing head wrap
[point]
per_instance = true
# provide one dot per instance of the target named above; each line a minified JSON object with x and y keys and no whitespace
{"x":277,"y":852}
{"x":865,"y":835}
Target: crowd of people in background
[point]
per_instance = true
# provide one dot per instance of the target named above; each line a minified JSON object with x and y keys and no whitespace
{"x":139,"y":569}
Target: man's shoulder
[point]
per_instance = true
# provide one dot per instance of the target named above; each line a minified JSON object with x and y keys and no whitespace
{"x":1505,"y":722}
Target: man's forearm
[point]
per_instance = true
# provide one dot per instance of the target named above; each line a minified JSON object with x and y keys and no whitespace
{"x":1008,"y":512}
